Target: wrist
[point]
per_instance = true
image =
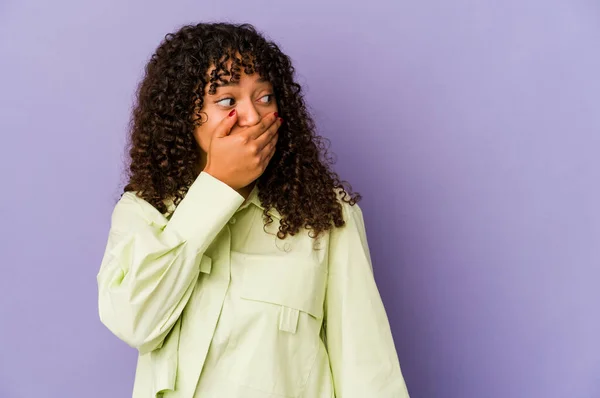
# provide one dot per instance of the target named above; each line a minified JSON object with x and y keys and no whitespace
{"x":209,"y":171}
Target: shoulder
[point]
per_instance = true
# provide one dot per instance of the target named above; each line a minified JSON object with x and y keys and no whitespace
{"x":352,"y":234}
{"x":342,"y":197}
{"x":350,"y":212}
{"x":131,"y":202}
{"x":132,"y":209}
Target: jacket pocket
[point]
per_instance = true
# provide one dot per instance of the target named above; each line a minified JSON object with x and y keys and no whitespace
{"x":293,"y":283}
{"x":276,"y":334}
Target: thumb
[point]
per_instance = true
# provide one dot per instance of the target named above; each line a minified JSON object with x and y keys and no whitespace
{"x":225,"y":126}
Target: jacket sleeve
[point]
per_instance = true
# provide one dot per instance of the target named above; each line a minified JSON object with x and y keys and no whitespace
{"x":149,"y":268}
{"x":361,"y":349}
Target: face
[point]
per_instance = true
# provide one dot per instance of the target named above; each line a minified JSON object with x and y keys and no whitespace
{"x":251,"y":96}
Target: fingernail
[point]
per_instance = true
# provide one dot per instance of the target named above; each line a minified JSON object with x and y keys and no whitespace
{"x":232,"y":113}
{"x":276,"y":114}
{"x":280,"y":120}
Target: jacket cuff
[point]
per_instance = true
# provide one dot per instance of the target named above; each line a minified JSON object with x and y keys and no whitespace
{"x":204,"y":211}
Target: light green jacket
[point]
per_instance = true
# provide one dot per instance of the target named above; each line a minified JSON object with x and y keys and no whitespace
{"x":310,"y":324}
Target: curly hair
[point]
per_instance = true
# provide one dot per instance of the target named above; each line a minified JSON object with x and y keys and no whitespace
{"x":164,"y":156}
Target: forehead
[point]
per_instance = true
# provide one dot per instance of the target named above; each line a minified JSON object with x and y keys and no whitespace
{"x":235,"y":72}
{"x":244,"y":80}
{"x":230,"y":65}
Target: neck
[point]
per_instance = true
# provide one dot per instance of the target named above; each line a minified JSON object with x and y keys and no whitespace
{"x":245,"y":191}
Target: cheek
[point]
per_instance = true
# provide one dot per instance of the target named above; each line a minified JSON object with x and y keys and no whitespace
{"x":267,"y":110}
{"x":202,"y":134}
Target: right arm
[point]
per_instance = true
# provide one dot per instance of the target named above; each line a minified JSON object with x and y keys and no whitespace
{"x":148,"y":272}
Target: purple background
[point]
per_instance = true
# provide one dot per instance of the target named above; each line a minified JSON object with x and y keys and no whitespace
{"x":471,"y":128}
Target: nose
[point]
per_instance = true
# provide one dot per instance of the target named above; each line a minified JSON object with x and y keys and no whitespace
{"x":247,"y":114}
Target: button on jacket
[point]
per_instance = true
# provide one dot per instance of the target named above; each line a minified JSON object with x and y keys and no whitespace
{"x":219,"y":307}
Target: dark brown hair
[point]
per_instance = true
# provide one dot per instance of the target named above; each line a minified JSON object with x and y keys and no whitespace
{"x":164,"y":155}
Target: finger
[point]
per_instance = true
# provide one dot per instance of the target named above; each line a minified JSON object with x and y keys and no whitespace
{"x":271,"y":154}
{"x":265,"y":123}
{"x":269,"y":149}
{"x":271,"y":132}
{"x":225,"y":125}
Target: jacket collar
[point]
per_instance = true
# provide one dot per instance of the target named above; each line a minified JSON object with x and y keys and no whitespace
{"x":251,"y":200}
{"x":254,"y":200}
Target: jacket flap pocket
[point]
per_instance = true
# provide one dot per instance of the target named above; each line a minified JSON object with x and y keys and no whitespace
{"x":295,"y":283}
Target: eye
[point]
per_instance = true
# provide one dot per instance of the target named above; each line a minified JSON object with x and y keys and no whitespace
{"x":270,"y":99}
{"x":224,"y":103}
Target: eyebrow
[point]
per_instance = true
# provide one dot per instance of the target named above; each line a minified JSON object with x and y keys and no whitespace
{"x":236,"y":83}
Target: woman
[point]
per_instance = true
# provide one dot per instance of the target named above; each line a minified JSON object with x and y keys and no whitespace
{"x":237,"y":264}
